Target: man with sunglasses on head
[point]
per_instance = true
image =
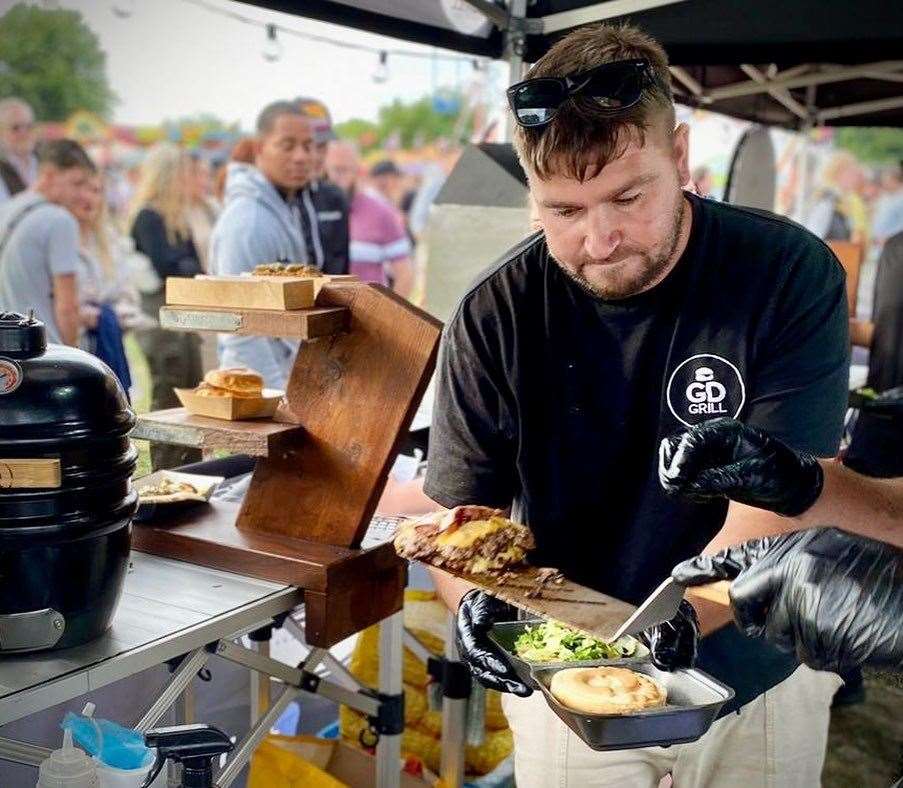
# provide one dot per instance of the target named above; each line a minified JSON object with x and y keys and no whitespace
{"x":637,"y":310}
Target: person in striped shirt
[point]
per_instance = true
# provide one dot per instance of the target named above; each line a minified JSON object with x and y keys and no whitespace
{"x":380,"y":250}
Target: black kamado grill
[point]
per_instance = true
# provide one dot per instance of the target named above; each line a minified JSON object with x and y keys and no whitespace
{"x":66,"y":501}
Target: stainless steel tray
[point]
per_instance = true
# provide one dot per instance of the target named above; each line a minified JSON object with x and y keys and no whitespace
{"x":694,"y":700}
{"x":504,"y":633}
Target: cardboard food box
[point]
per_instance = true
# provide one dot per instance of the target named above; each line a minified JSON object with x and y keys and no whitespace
{"x":230,"y":408}
{"x":242,"y":292}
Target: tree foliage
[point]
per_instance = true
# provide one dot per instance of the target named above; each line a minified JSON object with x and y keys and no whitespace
{"x":411,"y":123}
{"x":206,"y":119}
{"x":52,"y":59}
{"x":872,"y":145}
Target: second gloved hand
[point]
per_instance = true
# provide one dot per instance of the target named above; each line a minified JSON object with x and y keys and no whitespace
{"x":725,"y":458}
{"x":673,"y":645}
{"x":477,"y":613}
{"x":834,"y":599}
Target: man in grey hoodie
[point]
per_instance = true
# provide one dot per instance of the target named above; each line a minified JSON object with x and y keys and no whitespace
{"x":259,"y":224}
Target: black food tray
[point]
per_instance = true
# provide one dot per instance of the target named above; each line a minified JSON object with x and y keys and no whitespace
{"x":152,"y":512}
{"x":504,"y":633}
{"x":694,"y":700}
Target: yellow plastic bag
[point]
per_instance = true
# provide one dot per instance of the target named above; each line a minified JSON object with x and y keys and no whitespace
{"x":309,"y":762}
{"x":292,"y":762}
{"x":426,"y":618}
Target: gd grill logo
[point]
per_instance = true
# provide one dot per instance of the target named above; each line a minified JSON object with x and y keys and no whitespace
{"x":10,"y":376}
{"x":705,"y":387}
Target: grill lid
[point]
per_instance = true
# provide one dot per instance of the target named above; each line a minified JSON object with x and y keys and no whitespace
{"x":54,"y":392}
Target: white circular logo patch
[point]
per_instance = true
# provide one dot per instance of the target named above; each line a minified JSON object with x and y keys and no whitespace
{"x":705,"y":387}
{"x":10,"y":376}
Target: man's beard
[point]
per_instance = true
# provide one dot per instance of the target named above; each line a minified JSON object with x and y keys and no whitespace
{"x":650,"y":269}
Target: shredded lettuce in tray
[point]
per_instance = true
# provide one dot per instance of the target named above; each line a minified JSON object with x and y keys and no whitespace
{"x":554,"y":642}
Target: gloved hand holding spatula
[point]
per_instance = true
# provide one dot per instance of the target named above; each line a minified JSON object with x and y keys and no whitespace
{"x":833,"y":598}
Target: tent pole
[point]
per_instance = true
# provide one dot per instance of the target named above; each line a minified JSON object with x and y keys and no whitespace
{"x":599,"y":12}
{"x":515,"y":44}
{"x":860,"y":108}
{"x":751,"y":87}
{"x":804,"y":175}
{"x":805,"y":164}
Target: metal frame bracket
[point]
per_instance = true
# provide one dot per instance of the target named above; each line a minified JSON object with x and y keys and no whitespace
{"x":522,"y":26}
{"x":310,"y":682}
{"x":389,"y":720}
{"x":453,"y":677}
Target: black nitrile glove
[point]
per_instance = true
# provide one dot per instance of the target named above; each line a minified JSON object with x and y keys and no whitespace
{"x":476,"y":615}
{"x":673,"y":645}
{"x":725,"y":458}
{"x":834,"y":599}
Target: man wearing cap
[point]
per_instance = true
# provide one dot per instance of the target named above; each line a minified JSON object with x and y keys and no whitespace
{"x":323,"y":207}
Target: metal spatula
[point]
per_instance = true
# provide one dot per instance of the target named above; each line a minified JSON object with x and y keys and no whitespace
{"x":661,"y":605}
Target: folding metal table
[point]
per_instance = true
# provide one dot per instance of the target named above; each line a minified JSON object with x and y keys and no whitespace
{"x":173,"y":609}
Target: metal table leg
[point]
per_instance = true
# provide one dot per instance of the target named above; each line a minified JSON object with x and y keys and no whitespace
{"x":391,"y":660}
{"x":22,"y":752}
{"x":454,"y":720}
{"x":177,"y":688}
{"x":245,"y":749}
{"x":185,"y":706}
{"x":260,"y":683}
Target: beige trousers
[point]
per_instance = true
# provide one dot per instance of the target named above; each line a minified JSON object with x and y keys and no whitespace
{"x":777,"y":741}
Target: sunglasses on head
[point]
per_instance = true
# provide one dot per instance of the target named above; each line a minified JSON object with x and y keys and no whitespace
{"x":615,"y":86}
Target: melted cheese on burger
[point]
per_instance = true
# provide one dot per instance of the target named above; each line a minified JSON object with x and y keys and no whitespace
{"x":470,"y":533}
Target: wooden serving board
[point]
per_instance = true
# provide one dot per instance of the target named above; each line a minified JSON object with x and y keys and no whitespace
{"x":577,"y":606}
{"x":572,"y":604}
{"x":249,"y":292}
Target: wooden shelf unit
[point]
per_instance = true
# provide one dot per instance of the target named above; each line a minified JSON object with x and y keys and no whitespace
{"x":256,"y":437}
{"x":322,"y":466}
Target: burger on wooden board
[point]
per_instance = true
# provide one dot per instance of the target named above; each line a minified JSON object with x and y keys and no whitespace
{"x":466,"y":539}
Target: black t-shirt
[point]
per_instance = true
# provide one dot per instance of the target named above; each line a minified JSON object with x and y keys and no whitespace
{"x":324,"y":225}
{"x":554,"y":402}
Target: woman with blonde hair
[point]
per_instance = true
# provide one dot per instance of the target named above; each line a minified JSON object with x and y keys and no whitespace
{"x":108,"y":301}
{"x":159,"y":226}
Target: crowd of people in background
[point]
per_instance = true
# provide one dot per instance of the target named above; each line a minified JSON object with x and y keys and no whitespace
{"x":88,"y":247}
{"x":864,"y":209}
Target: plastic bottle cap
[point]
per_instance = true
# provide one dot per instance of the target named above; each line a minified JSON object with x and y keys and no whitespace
{"x":68,"y":767}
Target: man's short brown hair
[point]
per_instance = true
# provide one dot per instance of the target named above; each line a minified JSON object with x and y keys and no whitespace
{"x":583,"y":137}
{"x":64,"y":154}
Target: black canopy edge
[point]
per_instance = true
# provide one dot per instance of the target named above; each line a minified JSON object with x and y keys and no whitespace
{"x":349,"y":16}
